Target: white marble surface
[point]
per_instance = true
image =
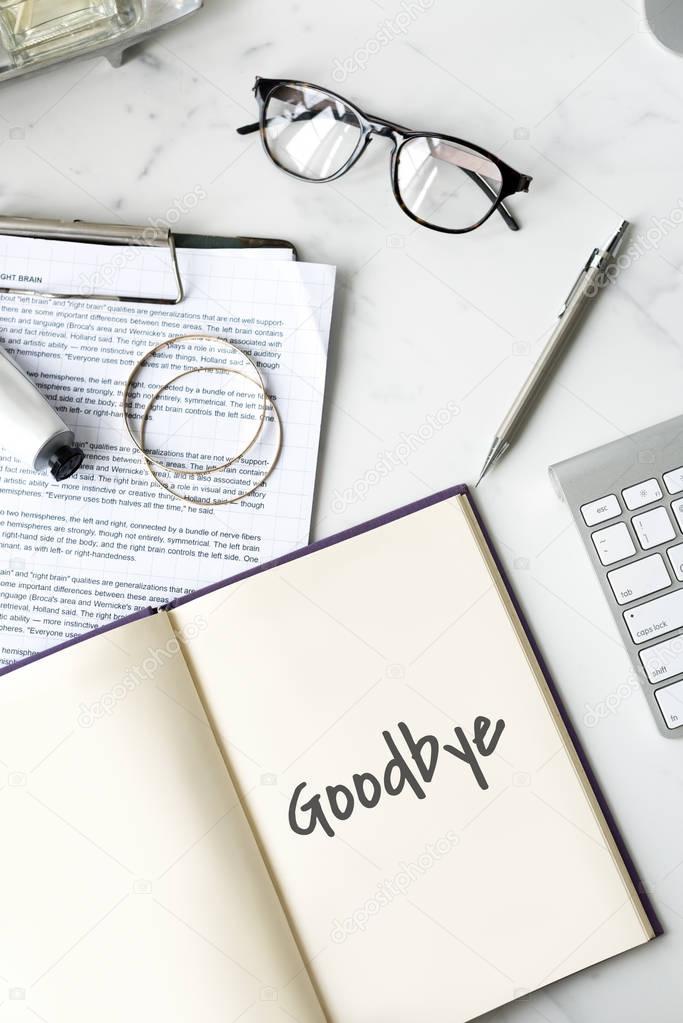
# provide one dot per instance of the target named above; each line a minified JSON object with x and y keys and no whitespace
{"x":580,"y":97}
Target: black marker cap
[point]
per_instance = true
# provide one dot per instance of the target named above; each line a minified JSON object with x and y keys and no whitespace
{"x":65,"y":462}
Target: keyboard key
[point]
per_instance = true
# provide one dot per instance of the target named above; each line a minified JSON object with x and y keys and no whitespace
{"x":639,"y":579}
{"x":642,"y":494}
{"x":663,"y":660}
{"x":675,"y":555}
{"x":653,"y":528}
{"x":677,"y":507}
{"x":601,"y":510}
{"x":613,"y":544}
{"x":673,"y":481}
{"x":670,"y":700}
{"x":657,"y":617}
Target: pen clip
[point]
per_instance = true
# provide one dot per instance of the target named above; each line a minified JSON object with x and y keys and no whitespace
{"x":575,"y":286}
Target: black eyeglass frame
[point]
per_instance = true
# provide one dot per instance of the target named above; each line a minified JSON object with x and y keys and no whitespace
{"x":512,"y":181}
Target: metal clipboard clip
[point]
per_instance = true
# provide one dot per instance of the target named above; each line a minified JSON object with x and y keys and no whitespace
{"x":103,"y":234}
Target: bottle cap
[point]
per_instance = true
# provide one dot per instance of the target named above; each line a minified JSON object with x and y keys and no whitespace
{"x":65,"y":461}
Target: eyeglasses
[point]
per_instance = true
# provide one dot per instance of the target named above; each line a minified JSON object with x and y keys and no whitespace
{"x":441,"y":182}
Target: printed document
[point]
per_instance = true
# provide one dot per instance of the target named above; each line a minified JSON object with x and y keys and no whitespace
{"x":110,"y":541}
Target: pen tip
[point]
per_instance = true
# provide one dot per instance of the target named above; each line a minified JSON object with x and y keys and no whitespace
{"x":498,"y":448}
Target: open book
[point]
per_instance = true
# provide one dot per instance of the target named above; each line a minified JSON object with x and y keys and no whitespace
{"x":338,"y":787}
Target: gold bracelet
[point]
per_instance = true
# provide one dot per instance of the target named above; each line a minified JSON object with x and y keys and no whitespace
{"x":152,"y":466}
{"x":167,"y":344}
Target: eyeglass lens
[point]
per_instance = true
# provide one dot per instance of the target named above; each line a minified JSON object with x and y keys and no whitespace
{"x":445,"y":184}
{"x":308,"y":132}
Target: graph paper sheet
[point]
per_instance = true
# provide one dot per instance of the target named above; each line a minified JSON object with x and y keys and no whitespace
{"x":110,"y":541}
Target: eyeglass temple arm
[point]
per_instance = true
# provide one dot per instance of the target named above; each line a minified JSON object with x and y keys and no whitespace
{"x":505,"y":212}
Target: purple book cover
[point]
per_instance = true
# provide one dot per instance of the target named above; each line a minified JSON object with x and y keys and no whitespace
{"x":375,"y":523}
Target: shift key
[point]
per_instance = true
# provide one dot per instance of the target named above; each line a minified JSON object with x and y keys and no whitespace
{"x":657,"y":617}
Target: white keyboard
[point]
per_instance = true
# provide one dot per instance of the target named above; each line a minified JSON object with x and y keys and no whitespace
{"x":627,"y":501}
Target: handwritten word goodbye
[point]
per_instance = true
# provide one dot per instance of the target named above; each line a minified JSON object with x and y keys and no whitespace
{"x":366,"y":789}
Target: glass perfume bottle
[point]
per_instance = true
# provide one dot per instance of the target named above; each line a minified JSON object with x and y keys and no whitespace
{"x":34,"y":30}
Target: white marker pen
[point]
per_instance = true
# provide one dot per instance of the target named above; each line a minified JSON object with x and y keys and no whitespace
{"x":30,"y":428}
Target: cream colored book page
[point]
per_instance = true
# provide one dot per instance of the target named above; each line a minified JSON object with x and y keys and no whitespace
{"x":482,"y":879}
{"x":130,"y":882}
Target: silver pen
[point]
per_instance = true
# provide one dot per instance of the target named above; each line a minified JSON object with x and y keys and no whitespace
{"x":589,"y":282}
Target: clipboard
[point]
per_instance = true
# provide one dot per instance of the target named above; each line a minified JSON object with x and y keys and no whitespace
{"x":127,"y":234}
